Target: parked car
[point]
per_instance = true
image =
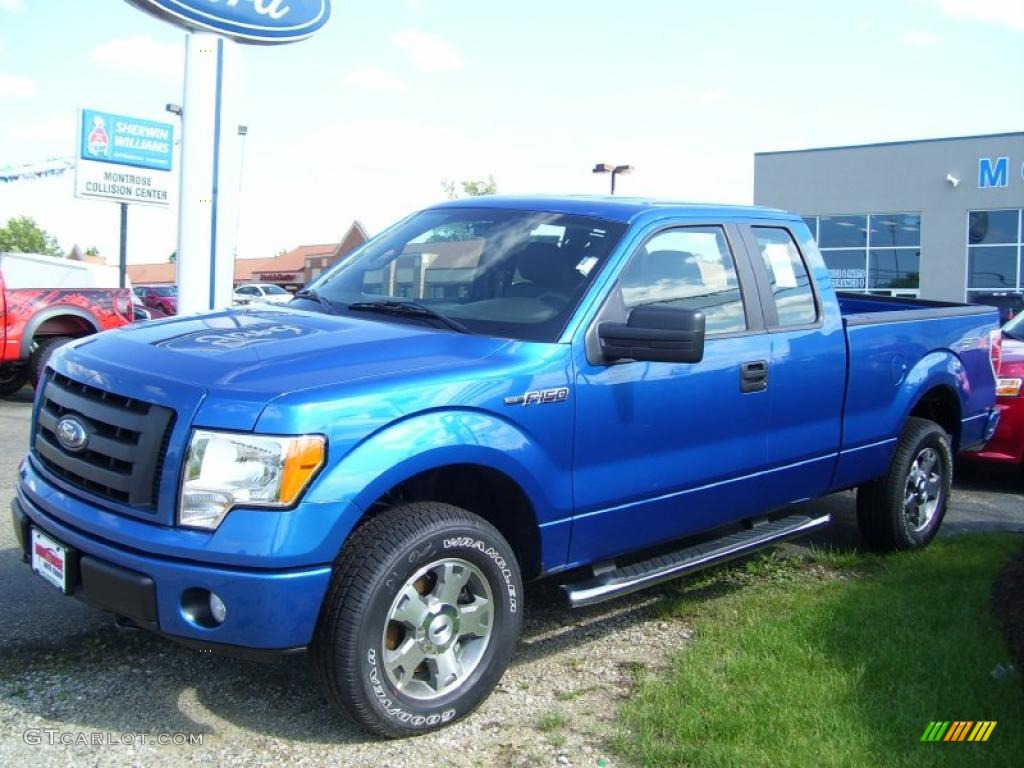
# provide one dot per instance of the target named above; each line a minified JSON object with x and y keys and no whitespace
{"x":1009,"y":304}
{"x":163,"y":298}
{"x":493,"y":390}
{"x":1007,"y":445}
{"x":46,"y":302}
{"x":266,"y":293}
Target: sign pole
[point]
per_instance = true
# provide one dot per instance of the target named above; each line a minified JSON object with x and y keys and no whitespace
{"x":123,"y":261}
{"x":207,"y":210}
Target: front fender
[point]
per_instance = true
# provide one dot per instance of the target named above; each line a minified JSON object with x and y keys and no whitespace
{"x":443,"y":438}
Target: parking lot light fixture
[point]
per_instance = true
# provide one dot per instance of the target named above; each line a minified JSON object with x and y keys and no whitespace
{"x":614,"y":170}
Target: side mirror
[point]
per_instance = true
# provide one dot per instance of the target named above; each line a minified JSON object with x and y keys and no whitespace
{"x":655,"y":334}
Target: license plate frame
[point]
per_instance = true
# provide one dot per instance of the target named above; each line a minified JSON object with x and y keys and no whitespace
{"x":49,"y":559}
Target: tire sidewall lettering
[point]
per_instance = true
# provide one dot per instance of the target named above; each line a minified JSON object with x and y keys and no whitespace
{"x":428,"y":714}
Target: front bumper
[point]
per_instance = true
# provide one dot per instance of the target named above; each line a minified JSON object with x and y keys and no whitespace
{"x":267,"y":611}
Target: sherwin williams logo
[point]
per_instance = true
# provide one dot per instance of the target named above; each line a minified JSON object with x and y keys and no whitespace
{"x":959,"y":730}
{"x":257,"y":21}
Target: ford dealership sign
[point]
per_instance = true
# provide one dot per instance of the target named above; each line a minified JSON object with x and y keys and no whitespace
{"x":248,"y":21}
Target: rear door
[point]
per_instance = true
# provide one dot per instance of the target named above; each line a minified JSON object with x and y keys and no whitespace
{"x":808,"y":363}
{"x":666,"y":449}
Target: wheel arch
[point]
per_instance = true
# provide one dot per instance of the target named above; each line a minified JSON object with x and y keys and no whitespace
{"x":59,"y":320}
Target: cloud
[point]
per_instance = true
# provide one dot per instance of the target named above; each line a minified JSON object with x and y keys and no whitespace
{"x":920,"y":38}
{"x":1007,"y":13}
{"x":16,"y":6}
{"x":371,"y":79}
{"x":426,"y":52}
{"x":142,"y":55}
{"x":16,"y":86}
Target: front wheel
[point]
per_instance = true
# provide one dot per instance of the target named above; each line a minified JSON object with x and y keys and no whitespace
{"x":904,"y":509}
{"x":420,"y":620}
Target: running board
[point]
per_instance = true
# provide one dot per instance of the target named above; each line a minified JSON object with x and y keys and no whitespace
{"x":646,"y":573}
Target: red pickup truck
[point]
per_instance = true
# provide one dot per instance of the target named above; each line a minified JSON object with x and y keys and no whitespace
{"x":36,"y":319}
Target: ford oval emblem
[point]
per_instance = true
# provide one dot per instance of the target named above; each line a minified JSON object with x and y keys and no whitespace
{"x":72,"y":434}
{"x":248,"y":21}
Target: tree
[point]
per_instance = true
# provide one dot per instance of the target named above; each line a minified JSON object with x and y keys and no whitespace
{"x":92,"y":250}
{"x":471,"y":188}
{"x":173,"y":257}
{"x":21,"y":234}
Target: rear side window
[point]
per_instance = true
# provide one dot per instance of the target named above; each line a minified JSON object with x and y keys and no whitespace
{"x":690,"y":268}
{"x":791,"y":285}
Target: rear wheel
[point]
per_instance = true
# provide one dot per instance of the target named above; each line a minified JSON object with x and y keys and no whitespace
{"x":904,"y":509}
{"x":420,"y":620}
{"x":12,"y":378}
{"x":44,"y":350}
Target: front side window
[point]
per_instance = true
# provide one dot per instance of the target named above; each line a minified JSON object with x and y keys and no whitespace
{"x":689,"y":268}
{"x":506,"y":273}
{"x":273,"y":290}
{"x":790,"y":283}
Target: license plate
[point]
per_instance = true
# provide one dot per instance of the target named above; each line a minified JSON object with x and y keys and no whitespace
{"x":49,"y":560}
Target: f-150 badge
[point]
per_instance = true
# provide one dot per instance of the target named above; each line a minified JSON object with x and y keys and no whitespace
{"x":539,"y":397}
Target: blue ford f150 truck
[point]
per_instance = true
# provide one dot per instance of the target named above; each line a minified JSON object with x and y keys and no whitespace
{"x":489,"y":391}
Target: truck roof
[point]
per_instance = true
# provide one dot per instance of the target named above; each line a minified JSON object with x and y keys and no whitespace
{"x":616,"y":208}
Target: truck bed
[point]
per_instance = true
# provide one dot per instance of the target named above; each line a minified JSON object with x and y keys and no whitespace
{"x":866,"y":309}
{"x":893,"y":344}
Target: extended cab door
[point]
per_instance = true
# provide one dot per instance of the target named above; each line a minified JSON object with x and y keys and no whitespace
{"x":667,"y":449}
{"x":808,"y":361}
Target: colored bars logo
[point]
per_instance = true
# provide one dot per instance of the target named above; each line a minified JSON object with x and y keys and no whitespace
{"x":959,"y":730}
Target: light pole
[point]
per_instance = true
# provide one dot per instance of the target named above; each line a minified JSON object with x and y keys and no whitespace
{"x":614,"y":170}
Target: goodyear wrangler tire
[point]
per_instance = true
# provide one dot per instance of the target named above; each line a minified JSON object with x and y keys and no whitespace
{"x":904,"y":509}
{"x":420,"y":620}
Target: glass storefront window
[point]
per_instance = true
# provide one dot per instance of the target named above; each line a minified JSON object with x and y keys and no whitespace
{"x":895,"y":230}
{"x":894,"y":268}
{"x":842,"y":231}
{"x":847,"y":268}
{"x":993,"y":227}
{"x":993,"y":267}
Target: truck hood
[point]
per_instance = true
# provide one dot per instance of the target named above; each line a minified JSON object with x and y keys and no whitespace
{"x":237,"y":361}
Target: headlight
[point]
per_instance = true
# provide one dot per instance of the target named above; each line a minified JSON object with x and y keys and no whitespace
{"x":228,"y":469}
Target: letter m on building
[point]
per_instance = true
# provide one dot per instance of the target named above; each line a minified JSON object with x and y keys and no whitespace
{"x":993,"y":174}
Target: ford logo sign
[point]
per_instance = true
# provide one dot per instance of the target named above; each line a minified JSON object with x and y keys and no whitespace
{"x":72,"y":434}
{"x":248,"y":21}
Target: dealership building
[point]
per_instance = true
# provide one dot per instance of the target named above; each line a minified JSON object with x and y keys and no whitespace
{"x":938,"y":218}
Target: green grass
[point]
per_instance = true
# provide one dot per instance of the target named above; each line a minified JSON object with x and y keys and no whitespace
{"x":552,"y":721}
{"x":836,"y":659}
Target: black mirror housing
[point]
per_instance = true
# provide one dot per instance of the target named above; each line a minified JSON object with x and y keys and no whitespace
{"x":655,"y":334}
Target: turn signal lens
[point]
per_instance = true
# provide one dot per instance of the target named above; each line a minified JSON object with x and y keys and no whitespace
{"x":1008,"y":387}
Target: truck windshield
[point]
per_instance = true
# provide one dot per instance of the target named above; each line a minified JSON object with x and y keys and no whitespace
{"x":507,"y":273}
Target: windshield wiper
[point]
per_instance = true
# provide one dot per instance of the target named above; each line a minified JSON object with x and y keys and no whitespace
{"x":309,"y":293}
{"x":409,"y":309}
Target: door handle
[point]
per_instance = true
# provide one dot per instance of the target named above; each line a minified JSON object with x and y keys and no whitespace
{"x":754,"y":376}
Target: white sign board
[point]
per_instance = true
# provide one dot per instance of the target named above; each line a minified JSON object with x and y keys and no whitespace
{"x":124,"y":159}
{"x":102,"y":181}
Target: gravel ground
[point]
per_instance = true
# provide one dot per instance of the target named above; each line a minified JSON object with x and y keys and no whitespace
{"x":68,"y":676}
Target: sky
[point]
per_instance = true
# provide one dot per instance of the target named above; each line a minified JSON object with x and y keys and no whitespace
{"x":367,"y":117}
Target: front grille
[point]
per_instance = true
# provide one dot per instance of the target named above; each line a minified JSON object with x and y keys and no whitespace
{"x":127,"y":441}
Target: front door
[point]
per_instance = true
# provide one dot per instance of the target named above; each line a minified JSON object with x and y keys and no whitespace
{"x":663,"y":450}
